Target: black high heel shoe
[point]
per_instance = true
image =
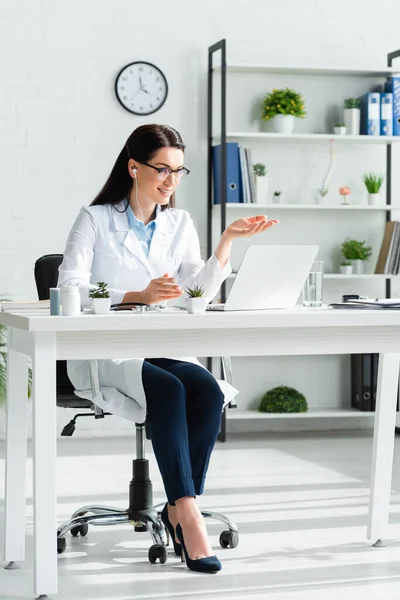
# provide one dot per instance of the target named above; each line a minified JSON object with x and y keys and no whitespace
{"x":210,"y":564}
{"x":170,"y":530}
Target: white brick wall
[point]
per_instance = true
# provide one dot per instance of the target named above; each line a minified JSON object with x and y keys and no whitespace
{"x":61,"y":126}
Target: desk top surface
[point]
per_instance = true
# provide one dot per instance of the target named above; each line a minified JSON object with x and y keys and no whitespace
{"x":180,"y":320}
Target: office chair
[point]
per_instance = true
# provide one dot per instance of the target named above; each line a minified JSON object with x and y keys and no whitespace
{"x":141,"y":512}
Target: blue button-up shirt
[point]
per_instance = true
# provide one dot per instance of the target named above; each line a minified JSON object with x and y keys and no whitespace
{"x":144,"y":233}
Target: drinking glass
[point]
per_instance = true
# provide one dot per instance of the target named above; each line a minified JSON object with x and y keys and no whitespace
{"x":312,"y":290}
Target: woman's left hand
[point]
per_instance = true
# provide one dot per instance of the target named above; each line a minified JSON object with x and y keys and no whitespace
{"x":248,"y":226}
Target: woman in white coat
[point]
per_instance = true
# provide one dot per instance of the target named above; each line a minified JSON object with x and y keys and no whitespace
{"x":133,"y":238}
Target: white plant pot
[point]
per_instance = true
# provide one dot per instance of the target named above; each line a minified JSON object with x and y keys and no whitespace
{"x":261,"y":189}
{"x":340,"y":130}
{"x":276,"y":199}
{"x":284,"y":123}
{"x":352,"y":120}
{"x":101,"y":306}
{"x":346,"y":269}
{"x":196,"y":306}
{"x":374,"y":199}
{"x":358,"y":266}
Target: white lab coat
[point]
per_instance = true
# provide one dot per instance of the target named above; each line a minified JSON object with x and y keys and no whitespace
{"x":102,"y":247}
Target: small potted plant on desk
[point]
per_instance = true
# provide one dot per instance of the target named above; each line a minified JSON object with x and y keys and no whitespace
{"x":373,"y":183}
{"x":195,"y":302}
{"x":101,"y":300}
{"x":356,"y":253}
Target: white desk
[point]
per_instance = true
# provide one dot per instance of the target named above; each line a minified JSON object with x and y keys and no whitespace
{"x":289,"y":332}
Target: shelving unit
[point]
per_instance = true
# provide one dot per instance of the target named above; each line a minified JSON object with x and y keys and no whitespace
{"x":257,"y":138}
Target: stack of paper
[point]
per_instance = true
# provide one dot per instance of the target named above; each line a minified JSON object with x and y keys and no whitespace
{"x":41,"y":306}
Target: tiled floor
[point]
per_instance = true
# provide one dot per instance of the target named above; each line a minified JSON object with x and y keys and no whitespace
{"x":300,"y":501}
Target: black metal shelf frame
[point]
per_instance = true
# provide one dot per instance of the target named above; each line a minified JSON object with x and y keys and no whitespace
{"x":220,"y":47}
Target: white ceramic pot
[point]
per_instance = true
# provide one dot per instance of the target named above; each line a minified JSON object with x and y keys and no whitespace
{"x":352,"y":120}
{"x":196,"y":306}
{"x":374,"y":199}
{"x":276,"y":199}
{"x":262,"y":189}
{"x":284,"y":123}
{"x":101,"y":306}
{"x":340,"y":130}
{"x":358,"y":266}
{"x":346,"y":269}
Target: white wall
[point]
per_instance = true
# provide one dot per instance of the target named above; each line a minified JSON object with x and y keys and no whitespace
{"x":61,"y":126}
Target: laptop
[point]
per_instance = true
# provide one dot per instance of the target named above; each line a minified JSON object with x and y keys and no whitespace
{"x":269,"y":277}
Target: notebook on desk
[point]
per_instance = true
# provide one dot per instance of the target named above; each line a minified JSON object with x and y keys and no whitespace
{"x":269,"y":277}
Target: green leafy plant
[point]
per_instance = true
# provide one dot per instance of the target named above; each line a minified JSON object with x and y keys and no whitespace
{"x":373,"y":182}
{"x":195,"y":292}
{"x":277,"y":192}
{"x":352,"y":103}
{"x":345,"y":263}
{"x":3,"y":366}
{"x":323,"y":192}
{"x":340,"y":125}
{"x":283,"y":102}
{"x":259,"y":170}
{"x":355,"y":250}
{"x":100,"y":292}
{"x":283,"y":399}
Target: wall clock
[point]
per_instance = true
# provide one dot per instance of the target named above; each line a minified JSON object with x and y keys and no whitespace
{"x":141,"y":88}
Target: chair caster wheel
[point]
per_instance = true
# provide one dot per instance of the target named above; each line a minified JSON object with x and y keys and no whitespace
{"x":61,"y":545}
{"x":158,"y":551}
{"x":81,"y":529}
{"x":229,"y":539}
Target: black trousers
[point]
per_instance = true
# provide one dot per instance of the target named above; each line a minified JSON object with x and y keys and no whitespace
{"x":184,"y":408}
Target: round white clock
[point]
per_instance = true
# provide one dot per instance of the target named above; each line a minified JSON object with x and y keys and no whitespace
{"x":141,"y":88}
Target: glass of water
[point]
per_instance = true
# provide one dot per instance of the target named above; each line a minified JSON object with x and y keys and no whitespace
{"x":312,"y":291}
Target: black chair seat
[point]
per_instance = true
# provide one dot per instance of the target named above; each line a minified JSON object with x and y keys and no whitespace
{"x":68,"y":400}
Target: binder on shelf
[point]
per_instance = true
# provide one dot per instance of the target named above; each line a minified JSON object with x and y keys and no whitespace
{"x":233,"y":173}
{"x":386,"y":127}
{"x":392,"y":86}
{"x":361,"y":381}
{"x":386,"y":248}
{"x":370,"y":114}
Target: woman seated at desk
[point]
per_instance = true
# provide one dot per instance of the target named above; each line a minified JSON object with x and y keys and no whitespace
{"x":133,"y":238}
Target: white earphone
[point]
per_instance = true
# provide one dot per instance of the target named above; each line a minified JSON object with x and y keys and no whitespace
{"x":134,"y":171}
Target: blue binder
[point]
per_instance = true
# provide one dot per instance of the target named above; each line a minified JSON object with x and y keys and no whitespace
{"x":392,"y":86}
{"x":233,"y":174}
{"x":370,"y":114}
{"x":387,"y":114}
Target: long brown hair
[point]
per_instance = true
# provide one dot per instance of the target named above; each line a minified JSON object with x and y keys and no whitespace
{"x":141,"y":145}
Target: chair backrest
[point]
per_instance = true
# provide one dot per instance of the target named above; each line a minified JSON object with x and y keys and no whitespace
{"x":46,"y":274}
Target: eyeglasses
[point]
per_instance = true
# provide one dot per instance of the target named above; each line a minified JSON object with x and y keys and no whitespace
{"x":164,"y":172}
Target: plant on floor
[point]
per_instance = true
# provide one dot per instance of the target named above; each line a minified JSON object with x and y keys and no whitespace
{"x":283,"y":399}
{"x":195,"y":292}
{"x":283,"y":102}
{"x":259,"y":170}
{"x":100,"y":291}
{"x":3,"y":365}
{"x":352,"y":103}
{"x":373,"y":182}
{"x":355,"y":250}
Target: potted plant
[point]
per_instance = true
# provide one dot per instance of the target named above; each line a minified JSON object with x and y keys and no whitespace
{"x":276,"y":197}
{"x":345,"y":193}
{"x":346,"y":268}
{"x":101,"y":300}
{"x":261,"y":181}
{"x":340,"y":129}
{"x":373,"y":183}
{"x":283,"y":399}
{"x":283,"y":106}
{"x":195,"y":302}
{"x":351,"y":114}
{"x":356,"y":253}
{"x":321,"y":196}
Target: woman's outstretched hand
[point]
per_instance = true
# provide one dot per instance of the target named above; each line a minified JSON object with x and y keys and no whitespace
{"x":163,"y":288}
{"x":248,"y":226}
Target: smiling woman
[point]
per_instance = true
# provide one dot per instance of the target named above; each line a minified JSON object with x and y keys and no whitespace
{"x":148,"y":251}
